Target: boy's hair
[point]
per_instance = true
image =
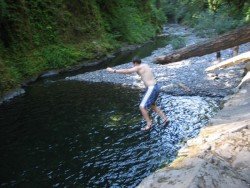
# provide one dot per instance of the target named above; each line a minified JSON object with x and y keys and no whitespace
{"x":136,"y":60}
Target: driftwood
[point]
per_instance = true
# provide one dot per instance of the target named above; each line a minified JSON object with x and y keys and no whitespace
{"x":228,"y":40}
{"x":244,"y":57}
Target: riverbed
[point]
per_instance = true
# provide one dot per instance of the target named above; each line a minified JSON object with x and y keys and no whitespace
{"x":84,"y":128}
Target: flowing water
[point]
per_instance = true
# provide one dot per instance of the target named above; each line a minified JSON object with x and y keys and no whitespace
{"x":78,"y":134}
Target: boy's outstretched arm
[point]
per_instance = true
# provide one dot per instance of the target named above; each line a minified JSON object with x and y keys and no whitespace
{"x":123,"y":71}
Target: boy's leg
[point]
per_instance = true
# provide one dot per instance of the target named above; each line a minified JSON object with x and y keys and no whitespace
{"x":144,"y":113}
{"x":160,"y":113}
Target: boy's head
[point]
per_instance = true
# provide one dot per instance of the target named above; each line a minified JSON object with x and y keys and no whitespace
{"x":136,"y":60}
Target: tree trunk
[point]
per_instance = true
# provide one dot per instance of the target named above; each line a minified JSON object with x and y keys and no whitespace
{"x":228,"y":40}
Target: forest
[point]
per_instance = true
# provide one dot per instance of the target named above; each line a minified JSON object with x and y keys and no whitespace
{"x":40,"y":35}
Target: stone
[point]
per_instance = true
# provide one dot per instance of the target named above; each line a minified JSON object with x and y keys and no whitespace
{"x":213,"y":137}
{"x":12,"y":94}
{"x":50,"y":73}
{"x":196,"y":173}
{"x":247,"y":66}
{"x":242,"y":160}
{"x":226,"y":154}
{"x":196,"y":141}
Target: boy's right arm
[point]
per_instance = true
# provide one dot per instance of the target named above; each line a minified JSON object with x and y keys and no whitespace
{"x":123,"y":71}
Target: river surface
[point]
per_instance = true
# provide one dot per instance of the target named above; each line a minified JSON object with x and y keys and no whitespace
{"x":68,"y":133}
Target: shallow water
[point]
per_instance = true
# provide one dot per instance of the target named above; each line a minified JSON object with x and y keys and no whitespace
{"x":69,"y":133}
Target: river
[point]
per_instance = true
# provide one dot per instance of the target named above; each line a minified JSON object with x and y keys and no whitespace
{"x":65,"y":133}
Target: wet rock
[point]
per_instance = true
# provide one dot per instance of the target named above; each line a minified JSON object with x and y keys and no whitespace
{"x":12,"y":94}
{"x":50,"y":73}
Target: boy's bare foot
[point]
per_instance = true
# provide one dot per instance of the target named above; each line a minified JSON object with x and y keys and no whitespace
{"x":149,"y":126}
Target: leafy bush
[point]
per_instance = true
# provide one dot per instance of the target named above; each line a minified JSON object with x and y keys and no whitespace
{"x":132,"y":21}
{"x":56,"y":56}
{"x":158,"y":17}
{"x":50,"y":57}
{"x":209,"y":23}
{"x":130,"y":26}
{"x":179,"y":10}
{"x":177,"y":42}
{"x":209,"y":17}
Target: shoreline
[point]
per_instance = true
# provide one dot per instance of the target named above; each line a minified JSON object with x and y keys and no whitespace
{"x":20,"y":90}
{"x":216,"y":84}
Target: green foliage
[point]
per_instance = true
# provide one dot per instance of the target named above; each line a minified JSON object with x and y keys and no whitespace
{"x":129,"y":26}
{"x":209,"y":24}
{"x":209,"y":17}
{"x":3,"y":9}
{"x":183,"y":9}
{"x":8,"y":77}
{"x":39,"y":35}
{"x":214,"y":4}
{"x":157,"y":16}
{"x":49,"y":57}
{"x":55,"y":56}
{"x":34,"y":24}
{"x":21,"y":67}
{"x":246,"y":12}
{"x":132,"y":22}
{"x":177,"y":42}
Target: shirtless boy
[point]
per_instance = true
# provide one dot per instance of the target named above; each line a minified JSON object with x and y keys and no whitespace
{"x":153,"y":89}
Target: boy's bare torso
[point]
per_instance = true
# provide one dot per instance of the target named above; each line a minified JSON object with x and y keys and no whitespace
{"x":146,"y":75}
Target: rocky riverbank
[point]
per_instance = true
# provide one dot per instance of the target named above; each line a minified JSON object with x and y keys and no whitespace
{"x":187,"y":77}
{"x":219,"y":156}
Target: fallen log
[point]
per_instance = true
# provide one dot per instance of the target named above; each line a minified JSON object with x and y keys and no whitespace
{"x":228,"y":40}
{"x":244,"y":57}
